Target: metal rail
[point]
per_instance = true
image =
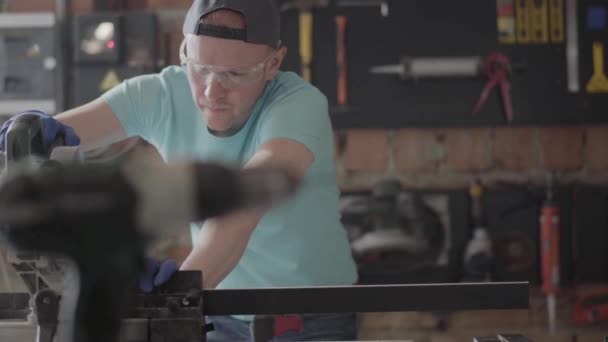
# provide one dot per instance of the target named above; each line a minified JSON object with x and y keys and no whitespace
{"x":367,"y":298}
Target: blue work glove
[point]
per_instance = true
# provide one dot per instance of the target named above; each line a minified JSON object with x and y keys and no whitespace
{"x":51,"y":130}
{"x":156,"y":273}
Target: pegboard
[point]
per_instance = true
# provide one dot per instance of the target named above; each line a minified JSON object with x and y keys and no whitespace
{"x":440,"y":28}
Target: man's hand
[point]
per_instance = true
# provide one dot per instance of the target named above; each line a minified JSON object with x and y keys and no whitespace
{"x":156,"y":274}
{"x":51,"y":130}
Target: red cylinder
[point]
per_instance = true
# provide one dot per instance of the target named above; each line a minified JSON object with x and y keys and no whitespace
{"x":549,"y":237}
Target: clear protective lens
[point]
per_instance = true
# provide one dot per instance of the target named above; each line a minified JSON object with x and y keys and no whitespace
{"x":227,"y":77}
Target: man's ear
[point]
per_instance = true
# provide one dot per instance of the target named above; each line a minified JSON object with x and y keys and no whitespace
{"x":275,"y":62}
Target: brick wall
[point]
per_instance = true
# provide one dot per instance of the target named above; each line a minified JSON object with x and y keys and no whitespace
{"x":451,"y":157}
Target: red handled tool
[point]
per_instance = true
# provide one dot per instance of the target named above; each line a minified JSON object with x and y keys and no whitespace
{"x":496,"y":68}
{"x":592,"y":306}
{"x":341,"y":60}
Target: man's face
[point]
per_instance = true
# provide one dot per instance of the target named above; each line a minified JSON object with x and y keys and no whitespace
{"x":227,"y":77}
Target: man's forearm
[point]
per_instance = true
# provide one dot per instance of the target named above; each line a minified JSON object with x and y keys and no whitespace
{"x":222,"y":241}
{"x":220,"y":245}
{"x":95,"y":123}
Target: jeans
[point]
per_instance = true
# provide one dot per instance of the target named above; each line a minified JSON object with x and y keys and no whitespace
{"x":325,"y":327}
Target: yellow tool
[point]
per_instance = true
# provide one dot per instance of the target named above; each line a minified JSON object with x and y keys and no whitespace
{"x":556,"y":21}
{"x":538,"y":21}
{"x":109,"y":81}
{"x":306,"y":43}
{"x":598,"y":82}
{"x":521,"y":22}
{"x":505,"y":21}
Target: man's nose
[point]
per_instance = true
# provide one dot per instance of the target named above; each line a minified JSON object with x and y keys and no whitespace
{"x":213,"y":87}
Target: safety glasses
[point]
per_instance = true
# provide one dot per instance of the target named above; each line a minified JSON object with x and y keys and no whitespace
{"x":228,"y":78}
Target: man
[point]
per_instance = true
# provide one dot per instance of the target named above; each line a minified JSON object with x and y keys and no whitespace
{"x":229,"y":103}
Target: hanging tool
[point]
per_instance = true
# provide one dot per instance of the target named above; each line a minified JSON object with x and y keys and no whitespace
{"x":305,"y":32}
{"x":341,"y":21}
{"x":556,"y":21}
{"x":549,"y":249}
{"x":427,"y":67}
{"x":539,"y":21}
{"x":572,"y":54}
{"x":505,"y":21}
{"x":478,"y":257}
{"x":341,"y":63}
{"x":306,"y":43}
{"x":522,"y":22}
{"x":598,"y":82}
{"x":497,"y":69}
{"x":306,"y":24}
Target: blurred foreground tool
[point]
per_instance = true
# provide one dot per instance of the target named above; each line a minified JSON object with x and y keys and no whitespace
{"x":101,"y":216}
{"x":549,"y":249}
{"x":165,"y":195}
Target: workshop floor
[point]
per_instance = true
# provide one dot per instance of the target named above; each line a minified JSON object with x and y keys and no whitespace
{"x":14,"y":333}
{"x":420,"y":327}
{"x":462,"y":326}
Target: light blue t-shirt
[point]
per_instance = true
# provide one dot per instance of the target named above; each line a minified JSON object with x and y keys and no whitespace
{"x":299,"y":242}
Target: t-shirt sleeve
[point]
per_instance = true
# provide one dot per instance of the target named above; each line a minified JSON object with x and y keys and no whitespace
{"x":301,"y":116}
{"x":141,"y":104}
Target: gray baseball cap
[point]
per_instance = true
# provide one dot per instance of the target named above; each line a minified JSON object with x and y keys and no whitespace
{"x":262,"y":20}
